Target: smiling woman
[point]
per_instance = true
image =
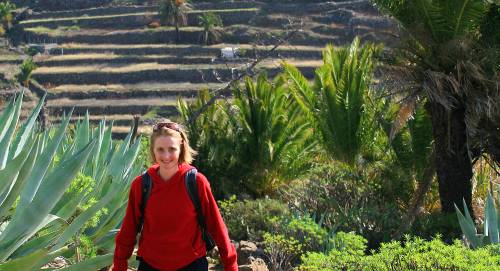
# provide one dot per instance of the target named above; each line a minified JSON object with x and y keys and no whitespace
{"x":172,"y":225}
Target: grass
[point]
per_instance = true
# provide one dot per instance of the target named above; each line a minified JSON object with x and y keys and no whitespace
{"x":133,"y":87}
{"x":155,"y":66}
{"x":9,"y":71}
{"x":9,"y":57}
{"x":60,"y":31}
{"x":51,"y":31}
{"x":113,"y":102}
{"x":181,"y":46}
{"x":82,"y":18}
{"x":111,"y":56}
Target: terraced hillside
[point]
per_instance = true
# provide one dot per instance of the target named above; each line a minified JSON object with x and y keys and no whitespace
{"x":109,"y":62}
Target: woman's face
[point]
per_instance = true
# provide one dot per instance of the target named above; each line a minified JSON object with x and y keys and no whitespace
{"x":167,"y":150}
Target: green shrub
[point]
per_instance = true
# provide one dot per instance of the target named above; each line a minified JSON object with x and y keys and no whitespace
{"x":255,"y":142}
{"x":282,"y":252}
{"x":307,"y":232}
{"x":249,"y":219}
{"x":345,"y":199}
{"x":211,"y":24}
{"x":414,"y":254}
{"x":25,"y":70}
{"x":437,"y":223}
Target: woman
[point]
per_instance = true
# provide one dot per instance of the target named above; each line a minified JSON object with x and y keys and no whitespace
{"x":171,"y":238}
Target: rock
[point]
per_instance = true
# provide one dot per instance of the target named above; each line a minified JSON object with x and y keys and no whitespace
{"x":245,"y":250}
{"x":255,"y":265}
{"x":339,"y":16}
{"x":58,"y":262}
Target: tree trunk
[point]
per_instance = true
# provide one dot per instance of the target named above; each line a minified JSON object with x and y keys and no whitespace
{"x":177,"y":34}
{"x":453,"y":164}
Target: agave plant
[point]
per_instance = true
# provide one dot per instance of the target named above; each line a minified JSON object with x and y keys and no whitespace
{"x":335,"y":102}
{"x":491,"y":232}
{"x":210,"y":23}
{"x":38,"y":221}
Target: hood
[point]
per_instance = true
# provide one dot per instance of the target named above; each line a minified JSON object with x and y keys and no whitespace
{"x":155,"y":177}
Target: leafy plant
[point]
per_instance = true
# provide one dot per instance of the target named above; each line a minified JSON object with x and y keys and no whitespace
{"x":259,"y":140}
{"x":413,"y":254}
{"x":491,"y":233}
{"x":282,"y":252}
{"x":249,"y":219}
{"x":44,"y":211}
{"x":335,"y":102}
{"x":272,"y":139}
{"x":6,"y":8}
{"x":174,"y":12}
{"x":450,"y":59}
{"x":311,"y":236}
{"x":211,"y":136}
{"x":26,"y":69}
{"x":210,"y":23}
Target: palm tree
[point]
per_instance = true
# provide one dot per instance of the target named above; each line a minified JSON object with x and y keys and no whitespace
{"x":6,"y":9}
{"x":174,"y":12}
{"x":273,"y":138}
{"x":25,"y":71}
{"x":335,"y":102}
{"x":454,"y":65}
{"x":259,"y":140}
{"x":209,"y":21}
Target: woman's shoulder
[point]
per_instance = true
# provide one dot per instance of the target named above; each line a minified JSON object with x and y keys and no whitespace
{"x":137,"y":182}
{"x":202,"y":180}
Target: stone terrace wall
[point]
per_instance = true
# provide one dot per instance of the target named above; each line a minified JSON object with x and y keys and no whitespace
{"x":45,"y":5}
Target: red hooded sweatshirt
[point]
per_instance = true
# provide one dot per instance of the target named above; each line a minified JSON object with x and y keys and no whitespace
{"x":171,"y":238}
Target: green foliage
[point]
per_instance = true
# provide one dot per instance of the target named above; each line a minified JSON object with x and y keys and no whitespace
{"x":412,"y":144}
{"x":346,"y":251}
{"x":144,"y":155}
{"x":290,"y":238}
{"x":349,"y":242}
{"x":249,"y":219}
{"x":6,"y":9}
{"x":439,"y":20}
{"x":336,"y":101}
{"x":174,"y":12}
{"x":25,"y":70}
{"x":341,"y":198}
{"x":271,"y":135}
{"x":491,"y":220}
{"x":86,"y":248}
{"x":414,"y":254}
{"x":258,"y":141}
{"x":282,"y":252}
{"x":210,"y":21}
{"x":310,"y":235}
{"x":210,"y":135}
{"x":60,"y":193}
{"x":429,"y":225}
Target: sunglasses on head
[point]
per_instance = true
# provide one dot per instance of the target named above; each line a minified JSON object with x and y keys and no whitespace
{"x":170,"y":125}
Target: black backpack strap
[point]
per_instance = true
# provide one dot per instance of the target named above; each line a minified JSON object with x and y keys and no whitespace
{"x":192,"y":189}
{"x":146,"y":186}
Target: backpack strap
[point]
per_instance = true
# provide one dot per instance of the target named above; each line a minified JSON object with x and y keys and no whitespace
{"x":192,"y":189}
{"x":146,"y":186}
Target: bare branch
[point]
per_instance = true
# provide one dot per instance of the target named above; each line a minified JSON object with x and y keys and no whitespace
{"x":225,"y":91}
